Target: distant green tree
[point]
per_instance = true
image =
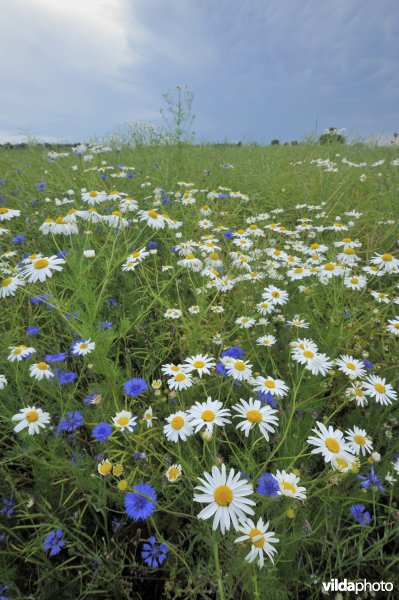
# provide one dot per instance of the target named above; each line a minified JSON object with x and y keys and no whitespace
{"x":294,"y":143}
{"x":275,"y":143}
{"x":332,"y":136}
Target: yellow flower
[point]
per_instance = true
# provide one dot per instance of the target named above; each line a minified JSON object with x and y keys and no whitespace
{"x":290,"y":513}
{"x":123,"y":485}
{"x":104,"y":467}
{"x":117,"y":470}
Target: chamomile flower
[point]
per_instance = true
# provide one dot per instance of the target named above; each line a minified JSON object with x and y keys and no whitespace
{"x":261,"y":540}
{"x":83,"y":347}
{"x":226,"y":497}
{"x":355,"y":282}
{"x":94,"y":197}
{"x":358,"y":442}
{"x":266,"y":340}
{"x":178,"y":426}
{"x":201,"y":363}
{"x":8,"y":213}
{"x":288,"y":484}
{"x":148,"y":417}
{"x":173,"y":473}
{"x":152,"y":218}
{"x":208,"y":414}
{"x":180,"y":381}
{"x":194,"y":310}
{"x":356,"y":393}
{"x":393,"y":325}
{"x":350,"y":366}
{"x":173,"y":313}
{"x":265,"y":308}
{"x":386,"y":262}
{"x":31,"y":417}
{"x":245,"y":322}
{"x":275,"y":296}
{"x":41,"y":370}
{"x":277,"y":387}
{"x":20,"y":352}
{"x":239,"y":369}
{"x":9,"y":285}
{"x":377,"y":388}
{"x":104,"y":467}
{"x":3,"y":382}
{"x":40,"y":269}
{"x":254,"y":414}
{"x":125,"y":421}
{"x":329,"y":442}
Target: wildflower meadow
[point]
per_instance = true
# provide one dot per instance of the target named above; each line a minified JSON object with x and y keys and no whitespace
{"x":199,"y":370}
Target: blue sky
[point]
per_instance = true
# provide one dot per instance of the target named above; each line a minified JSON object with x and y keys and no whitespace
{"x":259,"y":69}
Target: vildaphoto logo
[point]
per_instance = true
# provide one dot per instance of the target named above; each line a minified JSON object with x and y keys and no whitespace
{"x":334,"y":585}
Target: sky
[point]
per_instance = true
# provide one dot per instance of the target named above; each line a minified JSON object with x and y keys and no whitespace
{"x":258,"y":69}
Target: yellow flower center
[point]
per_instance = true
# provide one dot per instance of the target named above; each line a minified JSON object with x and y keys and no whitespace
{"x":308,"y":354}
{"x":3,"y":210}
{"x":354,"y":279}
{"x":190,"y":256}
{"x":177,"y":422}
{"x":198,"y":364}
{"x":332,"y":445}
{"x":214,"y":256}
{"x":153,"y":214}
{"x":259,"y":542}
{"x":42,"y":366}
{"x":116,"y":213}
{"x":387,"y":257}
{"x":180,"y":377}
{"x":123,"y":485}
{"x":314,"y":246}
{"x":105,"y":468}
{"x":208,"y":415}
{"x":286,"y":485}
{"x":276,"y":294}
{"x":347,"y":240}
{"x":329,"y":267}
{"x":175,"y":368}
{"x":223,"y":495}
{"x":173,"y":473}
{"x":93,"y":194}
{"x":358,"y":392}
{"x":60,"y":221}
{"x":341,"y":463}
{"x":349,"y":251}
{"x":379,"y":388}
{"x":270,"y":384}
{"x":123,"y":421}
{"x":239,"y":365}
{"x":84,"y":346}
{"x":32,"y":416}
{"x":350,"y":366}
{"x":359,"y":439}
{"x":6,"y":282}
{"x":42,"y":263}
{"x":339,"y":224}
{"x":254,"y":416}
{"x":117,"y":470}
{"x":298,"y":270}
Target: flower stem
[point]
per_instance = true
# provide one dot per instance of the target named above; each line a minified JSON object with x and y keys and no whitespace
{"x":217,"y":565}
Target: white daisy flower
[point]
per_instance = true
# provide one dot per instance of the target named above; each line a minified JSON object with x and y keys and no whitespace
{"x":261,"y":540}
{"x":31,"y":417}
{"x":392,"y":327}
{"x":41,"y":370}
{"x":330,"y":443}
{"x":266,"y":340}
{"x":252,"y":414}
{"x":358,"y":442}
{"x":180,"y":381}
{"x":41,"y":268}
{"x":350,"y":366}
{"x":288,"y":483}
{"x":9,"y":286}
{"x":200,"y":363}
{"x":377,"y":388}
{"x":148,"y":417}
{"x":8,"y":213}
{"x":19,"y":352}
{"x":226,"y":497}
{"x":173,"y":473}
{"x":83,"y":347}
{"x":239,"y":369}
{"x":124,"y":421}
{"x":178,"y":427}
{"x":277,"y":387}
{"x":356,"y":393}
{"x":208,"y":414}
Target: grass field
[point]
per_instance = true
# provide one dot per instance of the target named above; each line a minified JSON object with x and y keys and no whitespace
{"x":199,"y":345}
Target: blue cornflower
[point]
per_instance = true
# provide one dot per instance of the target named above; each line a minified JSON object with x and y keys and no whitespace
{"x":141,"y":502}
{"x":165,"y":201}
{"x":154,"y":554}
{"x":65,"y":376}
{"x":112,"y":302}
{"x":62,"y":254}
{"x":32,"y":330}
{"x":8,"y":506}
{"x":92,"y":398}
{"x":134,"y":387}
{"x":222,"y":196}
{"x":41,"y":185}
{"x":267,"y":485}
{"x":60,"y":357}
{"x":268,"y":398}
{"x":228,"y":235}
{"x":221,"y":369}
{"x":233,"y":352}
{"x":105,"y":324}
{"x":102,"y":431}
{"x":359,"y":512}
{"x":18,"y":239}
{"x":4,"y":588}
{"x":152,"y":244}
{"x":368,"y":365}
{"x":370,"y":480}
{"x":73,"y":421}
{"x":54,"y":542}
